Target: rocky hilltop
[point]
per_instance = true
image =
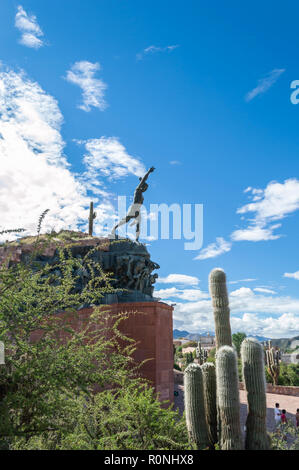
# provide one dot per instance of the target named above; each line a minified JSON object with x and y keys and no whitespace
{"x":128,"y":262}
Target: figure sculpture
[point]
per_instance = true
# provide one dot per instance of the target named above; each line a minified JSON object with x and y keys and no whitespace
{"x":134,"y":211}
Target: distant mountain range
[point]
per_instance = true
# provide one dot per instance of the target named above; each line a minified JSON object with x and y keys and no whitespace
{"x":282,"y":343}
{"x":191,"y":336}
{"x":286,"y":343}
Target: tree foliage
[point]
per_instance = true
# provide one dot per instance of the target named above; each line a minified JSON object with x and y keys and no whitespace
{"x":71,"y":388}
{"x":237,"y":339}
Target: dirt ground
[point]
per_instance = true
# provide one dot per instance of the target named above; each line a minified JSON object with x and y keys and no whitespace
{"x":289,"y":403}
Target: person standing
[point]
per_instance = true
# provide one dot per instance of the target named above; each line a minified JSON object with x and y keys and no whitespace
{"x":283,"y":416}
{"x":277,"y":414}
{"x":297,"y":417}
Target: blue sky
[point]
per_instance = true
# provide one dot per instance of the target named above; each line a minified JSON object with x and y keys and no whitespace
{"x":93,"y":93}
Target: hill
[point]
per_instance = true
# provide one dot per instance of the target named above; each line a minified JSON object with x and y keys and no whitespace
{"x":282,"y":343}
{"x":286,"y":343}
{"x":180,"y":334}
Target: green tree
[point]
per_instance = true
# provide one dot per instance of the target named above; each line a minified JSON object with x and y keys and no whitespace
{"x":130,"y":418}
{"x":211,"y":356}
{"x":190,"y":344}
{"x":46,"y":385}
{"x":288,"y":374}
{"x":237,"y":339}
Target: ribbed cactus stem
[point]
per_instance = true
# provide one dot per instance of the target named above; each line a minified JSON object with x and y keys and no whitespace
{"x":220,"y":303}
{"x":272,"y":357}
{"x":199,"y":354}
{"x":209,"y":388}
{"x":92,"y":216}
{"x":194,"y":406}
{"x":228,"y":398}
{"x":252,"y":356}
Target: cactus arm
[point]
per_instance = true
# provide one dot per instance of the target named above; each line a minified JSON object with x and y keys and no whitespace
{"x":220,"y":303}
{"x":209,"y":388}
{"x":194,"y":407}
{"x":92,"y":216}
{"x":228,"y":398}
{"x":252,"y":356}
{"x":273,"y":364}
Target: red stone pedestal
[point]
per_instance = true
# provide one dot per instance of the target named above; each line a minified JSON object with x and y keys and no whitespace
{"x":148,"y":323}
{"x":152,"y":328}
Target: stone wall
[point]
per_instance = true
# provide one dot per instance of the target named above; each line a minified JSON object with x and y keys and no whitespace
{"x":152,"y":328}
{"x":278,"y":389}
{"x":148,"y":323}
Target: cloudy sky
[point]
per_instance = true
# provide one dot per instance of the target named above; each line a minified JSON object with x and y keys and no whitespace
{"x":93,"y":95}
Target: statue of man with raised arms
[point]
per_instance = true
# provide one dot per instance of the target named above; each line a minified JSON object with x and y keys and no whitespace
{"x":134,"y":211}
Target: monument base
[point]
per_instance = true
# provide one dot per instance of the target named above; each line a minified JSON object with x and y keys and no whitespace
{"x":150,"y":324}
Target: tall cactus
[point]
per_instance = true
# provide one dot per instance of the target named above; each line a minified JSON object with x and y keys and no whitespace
{"x":92,"y":216}
{"x":209,"y":388}
{"x":273,"y":364}
{"x":201,"y":354}
{"x":220,"y":302}
{"x":228,"y":398}
{"x":252,"y":356}
{"x":194,"y":406}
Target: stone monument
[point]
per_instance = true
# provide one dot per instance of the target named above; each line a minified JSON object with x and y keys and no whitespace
{"x":132,"y":279}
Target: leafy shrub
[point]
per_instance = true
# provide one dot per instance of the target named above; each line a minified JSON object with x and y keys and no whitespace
{"x":130,"y":418}
{"x":211,"y":356}
{"x":70,"y":389}
{"x":285,"y":437}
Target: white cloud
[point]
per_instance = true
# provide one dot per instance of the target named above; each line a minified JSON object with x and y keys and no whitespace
{"x":264,"y":84}
{"x":31,"y":31}
{"x":179,"y":279}
{"x":264,"y":290}
{"x":215,"y":249}
{"x":242,"y":280}
{"x":155,"y":49}
{"x":251,"y":311}
{"x":83,"y":74}
{"x":292,"y":275}
{"x":35,"y":174}
{"x":108,"y":157}
{"x":184,"y":294}
{"x":245,"y":300}
{"x":286,"y":325}
{"x":275,"y":202}
{"x":255,"y":233}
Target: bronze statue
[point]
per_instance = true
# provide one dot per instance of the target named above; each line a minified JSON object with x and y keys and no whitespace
{"x":134,"y":209}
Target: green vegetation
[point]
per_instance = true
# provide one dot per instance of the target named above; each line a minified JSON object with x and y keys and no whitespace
{"x":289,"y":375}
{"x":211,"y":356}
{"x":190,"y":344}
{"x":130,"y":418}
{"x":70,"y":389}
{"x":285,"y":437}
{"x":237,"y":341}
